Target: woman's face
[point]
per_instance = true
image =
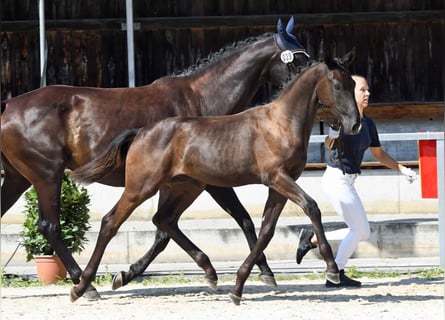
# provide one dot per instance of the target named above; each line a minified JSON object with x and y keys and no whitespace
{"x":361,"y":93}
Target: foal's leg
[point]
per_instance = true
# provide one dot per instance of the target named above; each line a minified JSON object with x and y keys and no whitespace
{"x":122,"y":278}
{"x":228,"y":200}
{"x":274,"y":205}
{"x":130,"y":199}
{"x":167,"y":221}
{"x":286,"y":186}
{"x":175,"y":200}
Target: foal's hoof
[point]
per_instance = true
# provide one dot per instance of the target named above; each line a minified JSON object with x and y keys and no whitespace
{"x":118,"y":281}
{"x":91,"y":294}
{"x":73,"y":295}
{"x":268,"y":280}
{"x":235,"y":299}
{"x":211,"y":283}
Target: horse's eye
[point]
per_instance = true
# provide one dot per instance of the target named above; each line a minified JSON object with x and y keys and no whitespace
{"x":337,"y":86}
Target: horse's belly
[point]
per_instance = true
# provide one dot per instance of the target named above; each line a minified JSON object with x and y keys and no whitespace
{"x":224,"y":178}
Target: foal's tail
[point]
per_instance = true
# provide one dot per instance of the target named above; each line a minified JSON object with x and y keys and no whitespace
{"x":113,"y":158}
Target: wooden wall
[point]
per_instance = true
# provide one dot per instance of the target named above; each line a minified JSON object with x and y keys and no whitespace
{"x":400,"y":44}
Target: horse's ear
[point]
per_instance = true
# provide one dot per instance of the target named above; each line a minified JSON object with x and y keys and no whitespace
{"x":290,"y":26}
{"x":348,"y":58}
{"x":279,"y":27}
{"x":326,"y":55}
{"x":287,"y":40}
{"x":343,"y":62}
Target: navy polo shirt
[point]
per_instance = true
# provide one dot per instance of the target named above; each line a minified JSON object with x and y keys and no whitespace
{"x":354,"y":147}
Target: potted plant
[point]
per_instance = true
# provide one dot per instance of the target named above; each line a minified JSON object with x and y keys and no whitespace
{"x":74,"y":221}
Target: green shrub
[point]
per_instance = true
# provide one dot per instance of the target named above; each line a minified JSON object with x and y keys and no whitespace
{"x":74,"y":220}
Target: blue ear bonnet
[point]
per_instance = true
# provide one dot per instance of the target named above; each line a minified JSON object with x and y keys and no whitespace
{"x":284,"y":38}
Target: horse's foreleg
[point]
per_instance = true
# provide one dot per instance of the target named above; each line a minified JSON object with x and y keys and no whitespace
{"x":110,"y":224}
{"x":228,"y":200}
{"x":274,"y":205}
{"x":287,"y":187}
{"x":167,"y":221}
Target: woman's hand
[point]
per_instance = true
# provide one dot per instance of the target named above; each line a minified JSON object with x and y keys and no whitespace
{"x":410,"y":174}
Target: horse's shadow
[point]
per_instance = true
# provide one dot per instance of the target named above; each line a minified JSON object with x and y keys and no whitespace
{"x":313,"y":292}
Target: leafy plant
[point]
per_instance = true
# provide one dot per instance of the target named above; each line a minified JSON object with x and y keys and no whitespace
{"x":74,"y":220}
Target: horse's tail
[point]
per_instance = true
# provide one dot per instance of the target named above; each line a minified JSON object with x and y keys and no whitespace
{"x":3,"y":104}
{"x":113,"y":158}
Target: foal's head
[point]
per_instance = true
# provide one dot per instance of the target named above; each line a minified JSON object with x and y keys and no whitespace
{"x":336,"y":93}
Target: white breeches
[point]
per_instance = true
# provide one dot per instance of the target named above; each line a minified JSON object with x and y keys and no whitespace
{"x":344,"y":198}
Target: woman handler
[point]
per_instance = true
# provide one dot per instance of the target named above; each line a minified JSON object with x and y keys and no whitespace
{"x":340,"y":189}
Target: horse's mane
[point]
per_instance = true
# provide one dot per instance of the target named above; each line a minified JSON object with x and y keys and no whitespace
{"x":334,"y":63}
{"x":216,"y":56}
{"x":295,"y":76}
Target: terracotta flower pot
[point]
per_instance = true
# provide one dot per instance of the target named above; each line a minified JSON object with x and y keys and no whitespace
{"x":50,"y":269}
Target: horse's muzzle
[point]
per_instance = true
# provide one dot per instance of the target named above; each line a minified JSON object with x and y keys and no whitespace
{"x":352,"y":128}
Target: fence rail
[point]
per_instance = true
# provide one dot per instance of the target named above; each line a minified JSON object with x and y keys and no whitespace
{"x":209,"y":22}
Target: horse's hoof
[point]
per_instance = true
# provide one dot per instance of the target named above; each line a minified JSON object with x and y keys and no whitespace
{"x":268,"y":280}
{"x":73,"y":295}
{"x":118,"y":281}
{"x":91,"y":294}
{"x":235,"y":299}
{"x":212,"y":283}
{"x":333,"y":277}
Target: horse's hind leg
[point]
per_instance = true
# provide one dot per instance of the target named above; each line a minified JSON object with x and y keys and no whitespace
{"x":122,"y":278}
{"x":167,"y":221}
{"x":229,"y":201}
{"x":134,"y":194}
{"x":49,"y":225}
{"x":14,"y":184}
{"x":174,"y":200}
{"x":45,"y":173}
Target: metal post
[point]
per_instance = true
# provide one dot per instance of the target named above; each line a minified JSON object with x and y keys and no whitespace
{"x":130,"y":43}
{"x":42,"y":43}
{"x":441,"y":192}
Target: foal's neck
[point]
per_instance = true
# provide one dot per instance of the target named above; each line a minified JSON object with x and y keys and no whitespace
{"x":301,"y":92}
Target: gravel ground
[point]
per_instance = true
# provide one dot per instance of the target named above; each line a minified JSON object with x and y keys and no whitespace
{"x":405,"y":297}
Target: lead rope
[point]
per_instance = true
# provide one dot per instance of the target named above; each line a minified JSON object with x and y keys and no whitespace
{"x":337,"y":144}
{"x":12,"y":256}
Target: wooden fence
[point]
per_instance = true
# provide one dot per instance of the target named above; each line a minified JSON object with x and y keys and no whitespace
{"x":400,"y":44}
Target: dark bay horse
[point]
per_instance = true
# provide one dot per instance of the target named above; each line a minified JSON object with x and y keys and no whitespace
{"x":265,"y":145}
{"x":57,"y":127}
